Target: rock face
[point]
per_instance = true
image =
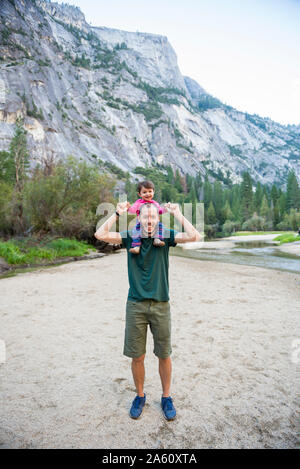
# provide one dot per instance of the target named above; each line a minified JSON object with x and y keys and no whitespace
{"x":97,"y":92}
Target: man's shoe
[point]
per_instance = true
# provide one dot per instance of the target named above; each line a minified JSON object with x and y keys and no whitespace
{"x":168,"y":408}
{"x":137,"y":406}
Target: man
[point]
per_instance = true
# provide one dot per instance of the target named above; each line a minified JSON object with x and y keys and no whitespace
{"x":148,"y":297}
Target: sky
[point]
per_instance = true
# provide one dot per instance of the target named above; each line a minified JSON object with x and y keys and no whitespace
{"x":244,"y":52}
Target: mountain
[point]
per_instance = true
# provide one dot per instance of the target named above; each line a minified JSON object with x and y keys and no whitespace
{"x":98,"y":92}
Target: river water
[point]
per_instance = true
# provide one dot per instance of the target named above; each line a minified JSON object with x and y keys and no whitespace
{"x":256,"y":253}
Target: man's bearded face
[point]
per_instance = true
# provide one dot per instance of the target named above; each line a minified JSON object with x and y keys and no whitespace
{"x":149,"y":219}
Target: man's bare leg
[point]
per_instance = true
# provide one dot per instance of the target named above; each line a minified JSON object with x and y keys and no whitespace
{"x":138,"y":372}
{"x":165,"y":371}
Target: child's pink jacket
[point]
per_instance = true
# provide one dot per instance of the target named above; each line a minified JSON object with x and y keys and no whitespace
{"x":135,"y":208}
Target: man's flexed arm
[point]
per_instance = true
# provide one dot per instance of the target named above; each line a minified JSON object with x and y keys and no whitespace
{"x":190,"y":233}
{"x":103,"y":233}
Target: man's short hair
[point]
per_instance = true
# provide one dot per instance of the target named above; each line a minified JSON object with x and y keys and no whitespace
{"x":147,"y":184}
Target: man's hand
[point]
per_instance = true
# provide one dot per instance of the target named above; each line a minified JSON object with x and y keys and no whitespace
{"x":172,"y":208}
{"x":122,"y":207}
{"x":103,"y":233}
{"x":190,"y":233}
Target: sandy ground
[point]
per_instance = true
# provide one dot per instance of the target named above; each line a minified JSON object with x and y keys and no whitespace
{"x":292,"y":248}
{"x":264,"y":237}
{"x":66,"y":384}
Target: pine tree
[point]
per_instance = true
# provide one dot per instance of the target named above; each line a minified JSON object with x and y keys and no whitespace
{"x":282,"y":205}
{"x":170,"y":177}
{"x":247,"y":196}
{"x":236,"y":202}
{"x":264,"y":208}
{"x":189,"y":182}
{"x":258,"y":197}
{"x":20,"y":155}
{"x":207,"y":193}
{"x":211,"y":214}
{"x":177,"y":182}
{"x":292,"y":192}
{"x":228,"y":212}
{"x":7,"y":167}
{"x":274,"y":194}
{"x":276,"y":213}
{"x":218,"y":201}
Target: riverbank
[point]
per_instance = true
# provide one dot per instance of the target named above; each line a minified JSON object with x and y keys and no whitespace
{"x":66,"y":384}
{"x":291,"y":248}
{"x":8,"y":270}
{"x":21,"y":254}
{"x":230,"y":242}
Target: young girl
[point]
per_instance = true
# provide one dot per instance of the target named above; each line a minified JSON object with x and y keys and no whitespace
{"x":146,"y":192}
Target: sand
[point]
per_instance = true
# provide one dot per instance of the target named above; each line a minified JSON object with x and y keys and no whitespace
{"x":66,"y":383}
{"x":291,"y":248}
{"x":245,"y":238}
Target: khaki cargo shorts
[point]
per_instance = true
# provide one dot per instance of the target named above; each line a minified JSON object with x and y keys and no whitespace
{"x":138,"y":315}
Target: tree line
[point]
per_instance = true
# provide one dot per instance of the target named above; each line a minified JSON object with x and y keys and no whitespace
{"x":229,"y":207}
{"x":61,"y":196}
{"x":51,"y":196}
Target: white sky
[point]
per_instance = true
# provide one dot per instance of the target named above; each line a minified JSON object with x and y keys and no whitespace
{"x":244,"y":52}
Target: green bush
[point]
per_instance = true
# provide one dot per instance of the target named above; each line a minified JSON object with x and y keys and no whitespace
{"x":20,"y":251}
{"x":230,"y":227}
{"x":291,"y":221}
{"x":210,"y":230}
{"x":65,"y":201}
{"x":6,"y":207}
{"x":255,"y":223}
{"x":11,"y":253}
{"x":287,"y":238}
{"x":69,"y":247}
{"x":35,"y":254}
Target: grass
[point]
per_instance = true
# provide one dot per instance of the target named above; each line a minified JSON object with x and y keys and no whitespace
{"x":247,"y":233}
{"x":25,"y":250}
{"x":287,"y":238}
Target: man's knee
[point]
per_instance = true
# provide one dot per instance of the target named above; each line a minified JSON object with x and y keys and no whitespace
{"x":164,"y":360}
{"x":139,"y":359}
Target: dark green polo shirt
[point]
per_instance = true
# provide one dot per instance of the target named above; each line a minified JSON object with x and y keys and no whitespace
{"x":148,"y":271}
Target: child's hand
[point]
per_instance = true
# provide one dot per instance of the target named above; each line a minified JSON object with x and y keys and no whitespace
{"x":122,"y":207}
{"x":172,"y":208}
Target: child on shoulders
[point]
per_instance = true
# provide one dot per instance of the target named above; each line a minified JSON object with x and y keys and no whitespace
{"x":146,"y":192}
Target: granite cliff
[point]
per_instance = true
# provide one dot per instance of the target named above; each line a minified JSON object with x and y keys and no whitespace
{"x":97,"y":92}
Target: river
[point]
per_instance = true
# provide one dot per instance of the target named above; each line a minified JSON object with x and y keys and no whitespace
{"x":257,"y":252}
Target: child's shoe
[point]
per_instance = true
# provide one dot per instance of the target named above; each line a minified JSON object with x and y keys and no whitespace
{"x":135,"y":250}
{"x":158,"y":242}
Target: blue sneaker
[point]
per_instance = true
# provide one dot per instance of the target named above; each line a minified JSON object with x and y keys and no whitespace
{"x":137,"y":406}
{"x":168,"y":408}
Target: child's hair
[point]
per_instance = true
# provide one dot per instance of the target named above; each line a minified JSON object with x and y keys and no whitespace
{"x":146,"y":184}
